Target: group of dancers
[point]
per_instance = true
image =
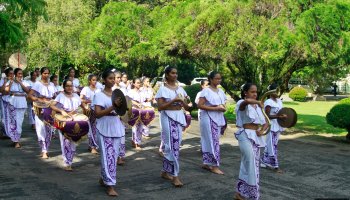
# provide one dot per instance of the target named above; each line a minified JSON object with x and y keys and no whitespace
{"x":107,"y":131}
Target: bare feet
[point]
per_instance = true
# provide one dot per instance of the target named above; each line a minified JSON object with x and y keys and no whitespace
{"x":94,"y":151}
{"x":136,"y":146}
{"x":216,"y":170}
{"x":45,"y":156}
{"x":177,"y":182}
{"x":237,"y":196}
{"x":120,"y":161}
{"x":68,"y":168}
{"x":111,"y":192}
{"x":213,"y":169}
{"x":161,"y":154}
{"x":166,"y":176}
{"x":33,"y":126}
{"x":17,"y":145}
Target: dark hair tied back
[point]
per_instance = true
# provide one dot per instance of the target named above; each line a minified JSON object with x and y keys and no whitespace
{"x":211,"y":75}
{"x":106,"y":73}
{"x":244,"y":88}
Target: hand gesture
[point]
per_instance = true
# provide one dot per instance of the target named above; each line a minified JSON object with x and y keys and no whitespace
{"x":283,"y":116}
{"x":259,"y":132}
{"x":64,"y":113}
{"x":221,"y":108}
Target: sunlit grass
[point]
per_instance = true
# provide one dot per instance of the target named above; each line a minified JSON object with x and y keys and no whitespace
{"x":312,"y":116}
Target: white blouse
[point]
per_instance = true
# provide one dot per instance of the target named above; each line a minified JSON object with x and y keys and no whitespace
{"x":69,"y":103}
{"x":275,"y":107}
{"x":47,"y":91}
{"x":214,"y":99}
{"x":168,"y":94}
{"x":136,"y":95}
{"x":17,"y":101}
{"x":147,"y":93}
{"x":250,"y":115}
{"x":108,"y":126}
{"x":88,"y":93}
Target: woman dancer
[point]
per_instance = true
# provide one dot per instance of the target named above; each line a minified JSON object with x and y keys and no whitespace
{"x":148,"y":93}
{"x":110,"y":131}
{"x":54,"y":80}
{"x":71,"y":77}
{"x":43,"y":91}
{"x":70,"y":102}
{"x":16,"y":92}
{"x":137,"y":98}
{"x":204,"y":84}
{"x":30,"y":110}
{"x":212,"y":107}
{"x":170,"y":99}
{"x":125,"y":83}
{"x":4,"y":98}
{"x":121,"y":157}
{"x":87,"y":95}
{"x":252,"y":124}
{"x":272,"y":106}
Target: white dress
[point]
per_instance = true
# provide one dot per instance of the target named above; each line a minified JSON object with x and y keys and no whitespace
{"x":44,"y":131}
{"x":211,"y":123}
{"x":172,"y":123}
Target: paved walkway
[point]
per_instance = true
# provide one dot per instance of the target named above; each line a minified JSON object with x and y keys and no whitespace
{"x":315,"y":167}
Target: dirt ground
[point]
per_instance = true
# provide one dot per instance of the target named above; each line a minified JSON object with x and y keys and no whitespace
{"x":315,"y":167}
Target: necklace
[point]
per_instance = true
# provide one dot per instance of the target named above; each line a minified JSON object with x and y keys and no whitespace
{"x":171,"y":87}
{"x":108,"y":94}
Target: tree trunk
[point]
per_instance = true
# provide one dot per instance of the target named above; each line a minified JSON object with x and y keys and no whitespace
{"x":348,"y":135}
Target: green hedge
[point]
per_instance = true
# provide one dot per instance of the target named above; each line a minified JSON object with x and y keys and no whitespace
{"x":298,"y":94}
{"x":339,"y":115}
{"x":192,"y":91}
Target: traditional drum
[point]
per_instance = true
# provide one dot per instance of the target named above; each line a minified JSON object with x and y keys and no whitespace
{"x":135,"y":116}
{"x":74,"y":127}
{"x":43,"y":111}
{"x":147,"y":115}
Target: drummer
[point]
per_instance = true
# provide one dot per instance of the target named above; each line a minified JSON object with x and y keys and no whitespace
{"x":118,"y":76}
{"x":110,"y":132}
{"x":16,"y":91}
{"x":70,"y":102}
{"x":43,"y":91}
{"x":31,"y":116}
{"x":272,"y":106}
{"x":148,"y":93}
{"x":137,"y":98}
{"x":87,"y":95}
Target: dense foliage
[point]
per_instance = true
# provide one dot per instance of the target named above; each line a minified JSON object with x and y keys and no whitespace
{"x":260,"y":41}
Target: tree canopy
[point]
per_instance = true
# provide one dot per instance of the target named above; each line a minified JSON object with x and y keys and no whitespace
{"x":259,"y":41}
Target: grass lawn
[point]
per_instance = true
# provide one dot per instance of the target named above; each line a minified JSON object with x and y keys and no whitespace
{"x":312,"y":116}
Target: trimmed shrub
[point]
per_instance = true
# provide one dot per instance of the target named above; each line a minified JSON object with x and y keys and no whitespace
{"x":192,"y":91}
{"x":346,"y":100}
{"x":339,"y":116}
{"x":298,"y":94}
